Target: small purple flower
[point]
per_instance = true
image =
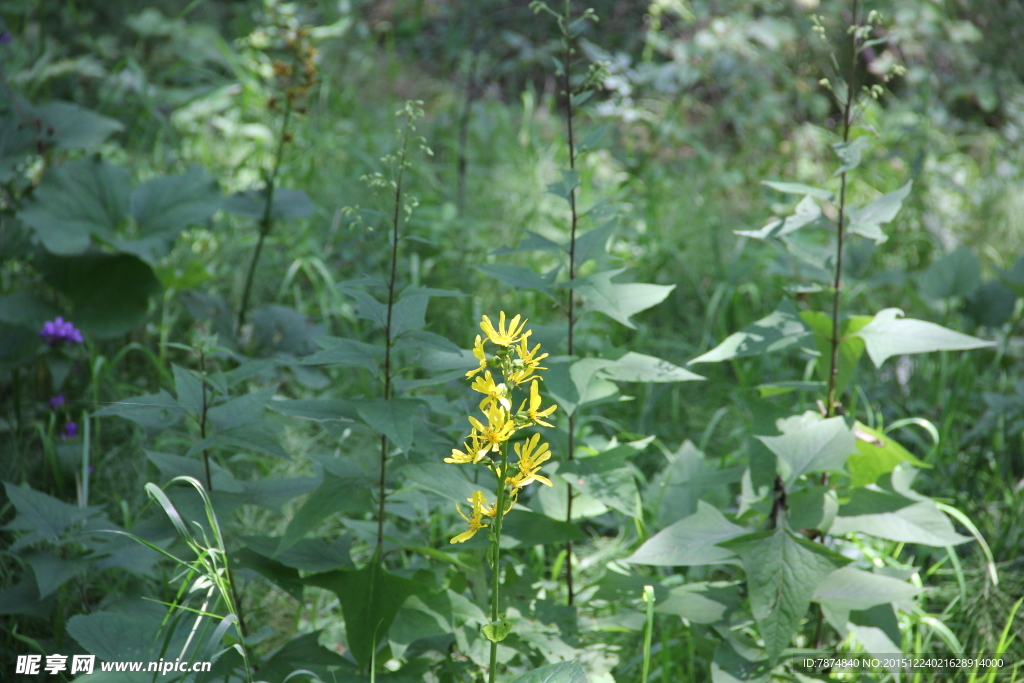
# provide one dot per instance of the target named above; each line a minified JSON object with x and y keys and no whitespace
{"x":56,"y":401}
{"x":91,"y":469}
{"x":69,"y":431}
{"x":57,"y":331}
{"x":5,"y":38}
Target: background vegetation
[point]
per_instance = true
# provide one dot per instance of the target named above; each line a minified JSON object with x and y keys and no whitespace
{"x":276,"y":227}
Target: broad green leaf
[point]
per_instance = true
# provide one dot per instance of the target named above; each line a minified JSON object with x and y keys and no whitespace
{"x":619,"y":301}
{"x":75,"y":127}
{"x":866,"y":221}
{"x":849,"y":588}
{"x":392,"y":418}
{"x":53,"y":572}
{"x":44,"y":515}
{"x":769,"y":389}
{"x":117,"y":636}
{"x":446,"y":480}
{"x":889,"y":334}
{"x":877,"y":454}
{"x":367,"y":307}
{"x":807,"y":212}
{"x":27,"y":308}
{"x":564,"y":187}
{"x":370,"y":598}
{"x":189,"y":390}
{"x":242,"y":410}
{"x":702,"y":602}
{"x":608,"y":477}
{"x":335,"y":495}
{"x":822,"y":446}
{"x":307,"y":554}
{"x":917,"y":522}
{"x":851,"y":347}
{"x":251,"y":437}
{"x":957,"y":274}
{"x":991,"y":304}
{"x":154,"y":411}
{"x":522,"y":528}
{"x":592,"y":243}
{"x":306,"y":653}
{"x":18,"y":344}
{"x":521,"y":277}
{"x":326,"y":410}
{"x":76,"y":201}
{"x":637,"y":367}
{"x":533,"y":242}
{"x":692,"y":541}
{"x":173,"y":203}
{"x":497,"y":631}
{"x":814,"y":507}
{"x":782,"y":329}
{"x":408,"y":314}
{"x":561,"y":672}
{"x":284,"y":577}
{"x":782,"y":573}
{"x":286,"y":204}
{"x":575,"y":383}
{"x":674,"y":492}
{"x":729,"y":666}
{"x":799,"y":188}
{"x":110,"y":293}
{"x":23,"y":598}
{"x":849,"y":154}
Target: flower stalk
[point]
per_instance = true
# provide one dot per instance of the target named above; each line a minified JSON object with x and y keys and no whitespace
{"x":516,"y":364}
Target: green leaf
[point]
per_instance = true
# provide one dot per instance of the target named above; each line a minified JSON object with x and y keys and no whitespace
{"x":849,"y":588}
{"x":692,"y":541}
{"x":305,"y":652}
{"x":729,"y":666}
{"x":53,"y":572}
{"x":702,"y":602}
{"x":991,"y":304}
{"x":608,"y":477}
{"x":408,"y":314}
{"x":782,"y":573}
{"x":284,"y":577}
{"x":173,"y":203}
{"x":822,"y":446}
{"x":592,"y":243}
{"x":799,"y":188}
{"x":117,"y":636}
{"x":367,"y":307}
{"x":28,"y":309}
{"x":75,"y":127}
{"x":521,"y":277}
{"x":252,"y":204}
{"x":307,"y":554}
{"x":957,"y":274}
{"x":875,"y":456}
{"x":533,"y":242}
{"x":326,"y":410}
{"x":523,"y":528}
{"x":392,"y":418}
{"x":807,"y":212}
{"x":851,"y":347}
{"x":814,"y":507}
{"x":561,"y":672}
{"x":189,"y":389}
{"x":866,"y":221}
{"x":74,"y":202}
{"x":497,"y":631}
{"x":370,"y":598}
{"x":849,"y":154}
{"x":110,"y":293}
{"x":673,"y":493}
{"x":913,"y":522}
{"x":45,"y":516}
{"x":575,"y":383}
{"x":619,"y":301}
{"x":444,"y":479}
{"x":334,"y":496}
{"x":636,"y":367}
{"x":564,"y":187}
{"x":889,"y":334}
{"x":782,"y":329}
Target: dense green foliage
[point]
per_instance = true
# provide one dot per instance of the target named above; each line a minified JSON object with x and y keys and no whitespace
{"x":251,"y":251}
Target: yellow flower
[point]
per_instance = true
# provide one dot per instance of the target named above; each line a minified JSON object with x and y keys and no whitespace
{"x":472,"y":455}
{"x":478,"y":351}
{"x":498,"y":429}
{"x":529,"y":462}
{"x":502,"y":336}
{"x":475,"y":520}
{"x":534,"y":412}
{"x":528,"y":362}
{"x":493,"y":392}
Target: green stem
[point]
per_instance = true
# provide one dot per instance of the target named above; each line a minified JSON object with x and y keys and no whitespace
{"x":266,"y":221}
{"x":832,"y":405}
{"x":495,"y":558}
{"x":574,"y":218}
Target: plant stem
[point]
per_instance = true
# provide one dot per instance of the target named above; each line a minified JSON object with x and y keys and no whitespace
{"x":833,"y":399}
{"x":499,"y":513}
{"x":392,"y":279}
{"x":573,"y":220}
{"x":202,"y":419}
{"x":267,"y":220}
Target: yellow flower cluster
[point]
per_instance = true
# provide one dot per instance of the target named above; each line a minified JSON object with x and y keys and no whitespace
{"x":516,"y":364}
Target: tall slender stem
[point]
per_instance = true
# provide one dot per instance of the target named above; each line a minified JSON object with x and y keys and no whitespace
{"x":392,"y":279}
{"x":573,"y":220}
{"x":499,"y":513}
{"x":833,"y":399}
{"x":267,"y":220}
{"x":202,"y":420}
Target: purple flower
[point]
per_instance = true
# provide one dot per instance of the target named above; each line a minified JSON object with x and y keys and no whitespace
{"x":57,"y":331}
{"x":70,"y":431}
{"x":56,"y":401}
{"x":5,"y":38}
